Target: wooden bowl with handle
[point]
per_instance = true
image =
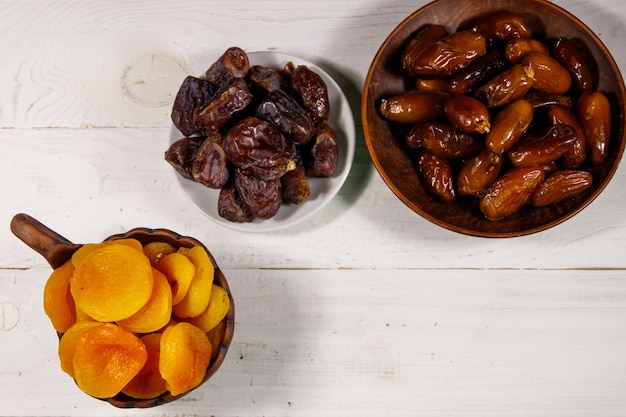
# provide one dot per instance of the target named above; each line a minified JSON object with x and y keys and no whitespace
{"x":56,"y":249}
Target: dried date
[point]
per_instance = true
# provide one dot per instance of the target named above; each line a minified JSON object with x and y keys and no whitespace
{"x":506,"y":87}
{"x":262,"y":197}
{"x":510,"y":192}
{"x":594,"y":114}
{"x":231,"y":207}
{"x":413,"y":106}
{"x":424,"y":37}
{"x":234,"y":99}
{"x":467,"y":114}
{"x":443,"y":140}
{"x":182,"y":153}
{"x":574,"y":55}
{"x":578,"y":154}
{"x":263,"y":79}
{"x":437,"y":175}
{"x":478,"y":72}
{"x":284,"y":112}
{"x":450,"y":54}
{"x":548,"y":75}
{"x":233,"y":63}
{"x":211,"y":166}
{"x":510,"y":125}
{"x":258,"y":148}
{"x":560,"y":186}
{"x":311,"y":90}
{"x":193,"y":94}
{"x":295,"y":184}
{"x":479,"y":173}
{"x":321,"y":157}
{"x":543,"y":147}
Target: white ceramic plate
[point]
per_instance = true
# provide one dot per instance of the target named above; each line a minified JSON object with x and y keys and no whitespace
{"x":322,"y":189}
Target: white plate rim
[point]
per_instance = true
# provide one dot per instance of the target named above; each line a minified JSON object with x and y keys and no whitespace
{"x":323,"y":190}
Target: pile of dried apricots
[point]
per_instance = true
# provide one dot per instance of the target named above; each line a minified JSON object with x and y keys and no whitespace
{"x":136,"y":319}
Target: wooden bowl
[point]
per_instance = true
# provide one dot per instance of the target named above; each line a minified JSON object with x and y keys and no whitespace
{"x":385,"y":140}
{"x":57,"y":250}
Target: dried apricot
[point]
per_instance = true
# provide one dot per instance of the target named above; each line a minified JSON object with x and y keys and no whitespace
{"x":219,"y":302}
{"x":67,"y":344}
{"x":216,"y":336}
{"x":79,"y":255}
{"x":179,"y":271}
{"x":148,"y":383}
{"x":112,"y":282}
{"x":57,"y":299}
{"x":156,"y":313}
{"x":197,"y":298}
{"x":155,"y":251}
{"x":185,"y":355}
{"x":106,"y":359}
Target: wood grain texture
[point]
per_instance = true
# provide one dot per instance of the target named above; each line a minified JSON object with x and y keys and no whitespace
{"x":365,"y":309}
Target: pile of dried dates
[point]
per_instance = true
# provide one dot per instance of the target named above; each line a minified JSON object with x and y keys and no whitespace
{"x":255,"y":133}
{"x":501,"y":113}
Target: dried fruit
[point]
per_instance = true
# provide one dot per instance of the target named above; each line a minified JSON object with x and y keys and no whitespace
{"x":575,"y":57}
{"x":413,"y":107}
{"x":211,"y":166}
{"x":185,"y":355}
{"x":156,"y":312}
{"x":262,"y":197}
{"x":578,"y":154}
{"x":423,"y":38}
{"x":516,"y":50}
{"x":322,"y":156}
{"x":548,"y":75}
{"x":193,"y":94}
{"x":311,"y":90}
{"x":436,"y":174}
{"x":258,"y":148}
{"x":478,"y":72}
{"x":443,"y":140}
{"x":58,"y":303}
{"x":233,"y":63}
{"x":284,"y":112}
{"x":510,"y":192}
{"x":219,"y":304}
{"x":230,"y":206}
{"x":506,"y":87}
{"x":509,"y":126}
{"x":544,"y":147}
{"x":467,"y":114}
{"x":112,"y":282}
{"x":560,"y":186}
{"x":148,"y":383}
{"x":294,"y":184}
{"x":594,"y":114}
{"x":503,"y":26}
{"x":196,"y":299}
{"x":234,"y":98}
{"x":182,"y":153}
{"x":179,"y":272}
{"x":107,"y":358}
{"x":478,"y":173}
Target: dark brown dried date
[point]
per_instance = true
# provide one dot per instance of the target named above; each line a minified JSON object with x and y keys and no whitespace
{"x":437,"y":175}
{"x":423,"y":38}
{"x":295,"y":184}
{"x":479,"y":173}
{"x":234,"y":99}
{"x":231,"y":207}
{"x":478,"y":72}
{"x":258,"y":148}
{"x":182,"y":153}
{"x":311,"y":90}
{"x":510,"y":192}
{"x":574,"y":55}
{"x":504,"y":26}
{"x":467,"y":114}
{"x":543,"y":147}
{"x":211,"y":166}
{"x":262,"y":197}
{"x":443,"y":140}
{"x":284,"y":112}
{"x":577,"y":155}
{"x":263,"y":79}
{"x":506,"y":87}
{"x":233,"y":63}
{"x":193,"y":94}
{"x":450,"y":54}
{"x":321,"y":156}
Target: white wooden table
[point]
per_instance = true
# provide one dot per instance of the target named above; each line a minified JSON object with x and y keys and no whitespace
{"x":366,"y":309}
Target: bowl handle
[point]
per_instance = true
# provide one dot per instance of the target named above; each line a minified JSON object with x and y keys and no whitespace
{"x":52,"y":246}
